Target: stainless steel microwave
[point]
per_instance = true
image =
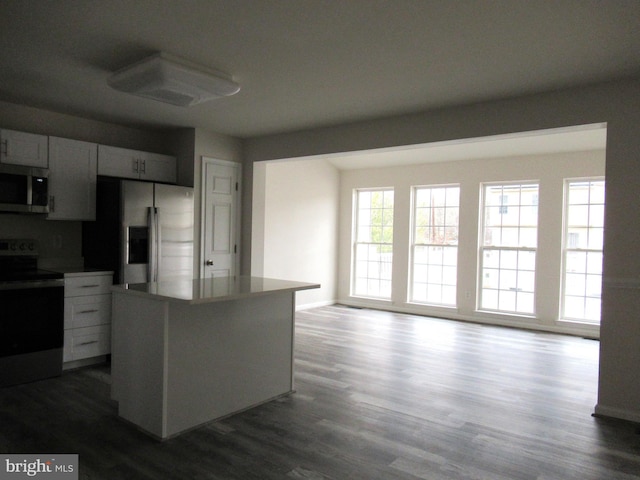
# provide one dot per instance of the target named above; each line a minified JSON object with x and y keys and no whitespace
{"x":24,"y":189}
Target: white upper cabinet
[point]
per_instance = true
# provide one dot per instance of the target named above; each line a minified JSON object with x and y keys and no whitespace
{"x":159,"y":168}
{"x":118,"y":162}
{"x":125,"y":163}
{"x":73,"y":169}
{"x":20,"y":148}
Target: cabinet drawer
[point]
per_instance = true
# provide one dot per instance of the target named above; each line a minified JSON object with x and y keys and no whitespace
{"x":89,"y":285}
{"x":87,"y":311}
{"x":87,"y":342}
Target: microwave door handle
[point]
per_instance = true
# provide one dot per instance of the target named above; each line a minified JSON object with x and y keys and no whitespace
{"x":29,"y":180}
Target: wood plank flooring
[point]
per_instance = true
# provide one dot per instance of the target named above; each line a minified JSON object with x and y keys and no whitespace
{"x":379,"y":396}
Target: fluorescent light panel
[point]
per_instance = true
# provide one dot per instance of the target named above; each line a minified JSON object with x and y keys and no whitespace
{"x":170,"y":79}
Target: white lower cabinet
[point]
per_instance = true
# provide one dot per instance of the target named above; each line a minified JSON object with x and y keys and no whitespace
{"x":87,"y":315}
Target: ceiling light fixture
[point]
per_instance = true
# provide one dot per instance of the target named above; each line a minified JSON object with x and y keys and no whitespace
{"x":170,"y":79}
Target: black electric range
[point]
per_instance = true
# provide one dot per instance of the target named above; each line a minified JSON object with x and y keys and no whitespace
{"x":31,"y":315}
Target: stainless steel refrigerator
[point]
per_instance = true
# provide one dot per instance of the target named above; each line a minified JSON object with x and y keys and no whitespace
{"x":143,"y":231}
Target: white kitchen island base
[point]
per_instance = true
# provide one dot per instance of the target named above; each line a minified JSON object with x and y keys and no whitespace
{"x":182,"y":359}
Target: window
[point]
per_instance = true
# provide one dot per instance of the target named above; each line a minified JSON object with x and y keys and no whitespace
{"x":584,"y":230}
{"x":508,"y":248}
{"x":435,"y":245}
{"x":373,"y":247}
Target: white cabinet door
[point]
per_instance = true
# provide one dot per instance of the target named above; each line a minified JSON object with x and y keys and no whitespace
{"x":125,"y":163}
{"x":20,"y":148}
{"x":118,"y":162}
{"x":73,"y":168}
{"x":158,"y":168}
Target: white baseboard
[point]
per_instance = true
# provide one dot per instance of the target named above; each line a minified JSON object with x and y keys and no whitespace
{"x":485,"y":318}
{"x":307,"y":306}
{"x":619,"y":413}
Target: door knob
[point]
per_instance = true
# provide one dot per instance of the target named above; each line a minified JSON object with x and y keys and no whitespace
{"x":209,"y":263}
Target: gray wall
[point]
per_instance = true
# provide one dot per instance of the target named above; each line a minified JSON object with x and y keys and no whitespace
{"x":617,"y":104}
{"x":45,"y":122}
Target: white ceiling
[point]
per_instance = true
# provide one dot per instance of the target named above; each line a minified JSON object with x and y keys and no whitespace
{"x":309,"y":63}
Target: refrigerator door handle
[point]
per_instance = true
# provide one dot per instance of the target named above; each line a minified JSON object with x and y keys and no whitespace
{"x":152,"y":264}
{"x":158,"y":245}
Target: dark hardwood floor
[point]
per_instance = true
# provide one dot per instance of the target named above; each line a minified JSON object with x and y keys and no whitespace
{"x":379,"y":396}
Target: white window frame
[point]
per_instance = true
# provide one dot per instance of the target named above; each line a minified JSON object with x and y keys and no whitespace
{"x":435,"y":287}
{"x":377,"y":271}
{"x":516,"y":259}
{"x":590,"y":300}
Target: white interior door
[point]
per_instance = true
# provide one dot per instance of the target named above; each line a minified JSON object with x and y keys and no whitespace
{"x":220,"y":218}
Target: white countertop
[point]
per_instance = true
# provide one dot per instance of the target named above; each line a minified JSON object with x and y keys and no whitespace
{"x":207,"y":290}
{"x":81,"y":271}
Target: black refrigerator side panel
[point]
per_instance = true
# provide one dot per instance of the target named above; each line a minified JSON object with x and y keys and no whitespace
{"x":101,"y":239}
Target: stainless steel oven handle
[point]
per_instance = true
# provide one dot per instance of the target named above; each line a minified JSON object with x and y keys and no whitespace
{"x":18,"y":285}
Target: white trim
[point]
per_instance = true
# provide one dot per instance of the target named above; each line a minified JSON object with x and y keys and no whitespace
{"x":480,"y":317}
{"x":619,"y":413}
{"x":309,"y":306}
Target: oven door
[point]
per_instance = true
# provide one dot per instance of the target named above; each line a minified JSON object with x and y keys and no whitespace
{"x":31,"y":330}
{"x":32,"y":317}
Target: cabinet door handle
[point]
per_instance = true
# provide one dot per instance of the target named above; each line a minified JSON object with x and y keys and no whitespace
{"x":134,"y":164}
{"x":143,"y":166}
{"x":89,"y":286}
{"x":5,"y":144}
{"x":88,"y":343}
{"x":89,"y":311}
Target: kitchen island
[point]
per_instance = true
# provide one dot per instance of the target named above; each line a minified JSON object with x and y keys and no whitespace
{"x":186,"y":352}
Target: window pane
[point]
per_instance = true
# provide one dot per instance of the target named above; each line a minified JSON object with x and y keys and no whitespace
{"x":489,"y":299}
{"x":592,"y":309}
{"x":595,"y":238}
{"x":526,"y":281}
{"x":574,"y":307}
{"x":507,"y":280}
{"x":449,"y":295}
{"x":527,"y":261}
{"x":450,"y":256}
{"x":575,"y":284}
{"x":596,"y":216}
{"x":525,"y":302}
{"x":594,"y":263}
{"x":507,"y":301}
{"x":596,"y":193}
{"x":508,"y":258}
{"x":491,"y":259}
